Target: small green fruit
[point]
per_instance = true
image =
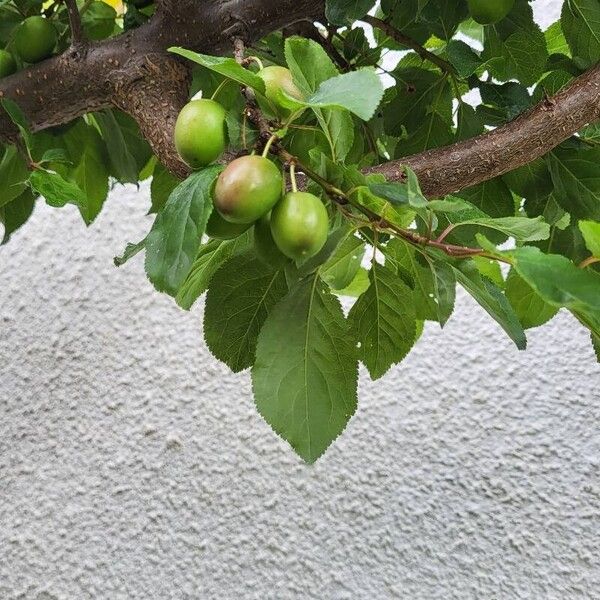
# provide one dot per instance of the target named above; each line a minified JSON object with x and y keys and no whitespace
{"x":487,"y":12}
{"x":299,"y":224}
{"x":7,"y":64}
{"x":35,"y":39}
{"x":264,"y":244}
{"x":247,"y":189}
{"x":277,"y":81}
{"x":200,"y":134}
{"x":220,"y":229}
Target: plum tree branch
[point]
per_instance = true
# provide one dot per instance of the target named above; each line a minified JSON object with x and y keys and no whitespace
{"x":135,"y":72}
{"x":77,"y":35}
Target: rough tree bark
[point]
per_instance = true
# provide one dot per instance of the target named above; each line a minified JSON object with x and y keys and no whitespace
{"x":136,"y":73}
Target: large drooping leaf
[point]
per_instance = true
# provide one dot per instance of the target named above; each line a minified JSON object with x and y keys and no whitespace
{"x":174,"y":240}
{"x":384,"y":321}
{"x":241,"y":296}
{"x":305,"y":374}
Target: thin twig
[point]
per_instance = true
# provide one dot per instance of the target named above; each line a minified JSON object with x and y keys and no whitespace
{"x":404,"y":40}
{"x":591,"y":260}
{"x":77,"y":35}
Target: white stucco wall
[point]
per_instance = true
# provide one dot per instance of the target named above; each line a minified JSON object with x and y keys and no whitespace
{"x":134,"y":466}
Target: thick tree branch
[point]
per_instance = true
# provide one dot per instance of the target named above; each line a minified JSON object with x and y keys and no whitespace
{"x":65,"y":87}
{"x":530,"y":136}
{"x":136,"y":73}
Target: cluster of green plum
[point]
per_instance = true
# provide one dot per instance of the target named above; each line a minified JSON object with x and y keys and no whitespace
{"x":487,"y":12}
{"x":251,"y":189}
{"x":33,"y":41}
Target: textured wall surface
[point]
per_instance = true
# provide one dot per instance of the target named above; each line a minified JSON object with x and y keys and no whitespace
{"x":134,"y":466}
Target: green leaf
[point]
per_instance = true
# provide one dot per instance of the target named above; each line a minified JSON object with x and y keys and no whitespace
{"x":580,"y":21}
{"x":162,"y":186}
{"x":123,"y":163}
{"x":359,"y":92}
{"x":384,"y":320}
{"x":591,"y":234}
{"x":344,"y":12}
{"x":407,"y":192}
{"x":57,"y":191}
{"x":98,"y":20}
{"x":529,"y":306}
{"x":396,"y":214}
{"x":576,"y":180}
{"x":175,"y":237}
{"x":209,"y":259}
{"x":463,"y":58}
{"x":432,"y":281}
{"x":596,"y":344}
{"x":341,"y":268}
{"x":14,"y":214}
{"x":224,"y":66}
{"x":130,"y":251}
{"x":241,"y":296}
{"x":13,"y":176}
{"x":18,"y":118}
{"x":305,"y":381}
{"x":309,"y":63}
{"x":522,"y":229}
{"x":491,"y":298}
{"x":358,"y":286}
{"x":91,"y":175}
{"x":558,"y":281}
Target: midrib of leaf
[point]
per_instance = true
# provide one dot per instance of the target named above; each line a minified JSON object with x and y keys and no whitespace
{"x":258,"y":306}
{"x":306,"y":342}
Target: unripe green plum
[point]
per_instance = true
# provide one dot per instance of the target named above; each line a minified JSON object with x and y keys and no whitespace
{"x":7,"y":64}
{"x":34,"y":39}
{"x":200,"y":132}
{"x":487,"y":12}
{"x":220,"y":229}
{"x":265,"y":245}
{"x":247,"y":189}
{"x":278,"y":80}
{"x":299,"y":224}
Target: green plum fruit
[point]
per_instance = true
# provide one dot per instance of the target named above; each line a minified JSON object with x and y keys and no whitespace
{"x":299,"y":224}
{"x":200,"y":132}
{"x":247,"y":189}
